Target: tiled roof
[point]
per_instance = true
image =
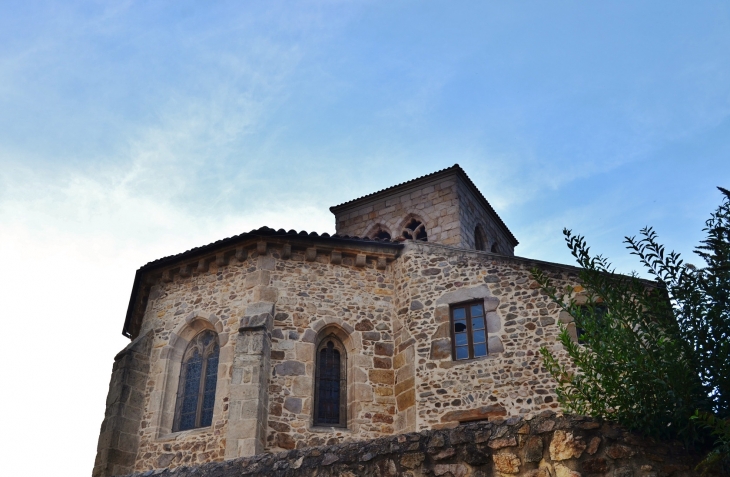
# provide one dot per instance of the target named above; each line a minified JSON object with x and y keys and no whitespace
{"x":263,"y":232}
{"x":453,"y":168}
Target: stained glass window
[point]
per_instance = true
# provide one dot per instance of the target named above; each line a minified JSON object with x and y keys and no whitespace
{"x":198,"y":377}
{"x":331,"y":384}
{"x":468,"y":330}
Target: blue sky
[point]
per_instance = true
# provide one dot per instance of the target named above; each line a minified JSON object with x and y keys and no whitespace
{"x":134,"y":130}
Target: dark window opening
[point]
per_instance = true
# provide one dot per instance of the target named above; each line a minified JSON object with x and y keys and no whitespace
{"x":600,"y":311}
{"x":415,"y":230}
{"x":382,"y":235}
{"x":198,"y":378}
{"x":494,"y":248}
{"x":468,"y":331}
{"x":330,"y":391}
{"x":479,"y":242}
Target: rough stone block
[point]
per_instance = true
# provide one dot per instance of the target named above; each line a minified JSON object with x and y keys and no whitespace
{"x":264,"y":293}
{"x":507,"y":463}
{"x":336,"y":257}
{"x":310,"y":254}
{"x":381,"y":376}
{"x":384,"y":349}
{"x":290,"y":368}
{"x":494,"y":323}
{"x":480,"y":413}
{"x":494,"y":345}
{"x":441,"y":349}
{"x":406,"y":399}
{"x":565,"y":446}
{"x":293,"y":404}
{"x":360,"y":260}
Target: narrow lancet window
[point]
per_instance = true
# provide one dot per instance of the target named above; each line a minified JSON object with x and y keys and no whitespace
{"x":330,"y":407}
{"x":198,"y":378}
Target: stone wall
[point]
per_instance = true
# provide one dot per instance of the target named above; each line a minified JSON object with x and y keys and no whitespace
{"x":435,"y":203}
{"x":545,"y":446}
{"x":317,"y":298}
{"x":511,"y":380}
{"x":266,"y":373}
{"x":119,"y":437}
{"x":271,"y":303}
{"x":471,"y":214}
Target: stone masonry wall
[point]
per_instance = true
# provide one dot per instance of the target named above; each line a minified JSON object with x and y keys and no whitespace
{"x":436,"y":204}
{"x":119,"y":438}
{"x":313,"y":293}
{"x":355,"y":303}
{"x":511,"y":380}
{"x":545,"y":446}
{"x":471,"y":214}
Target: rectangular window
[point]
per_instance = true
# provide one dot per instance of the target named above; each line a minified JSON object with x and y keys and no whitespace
{"x":468,"y":330}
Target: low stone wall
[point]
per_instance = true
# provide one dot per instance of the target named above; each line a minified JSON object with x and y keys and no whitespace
{"x":545,"y":446}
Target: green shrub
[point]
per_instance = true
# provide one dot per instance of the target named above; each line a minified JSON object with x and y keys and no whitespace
{"x":652,"y":354}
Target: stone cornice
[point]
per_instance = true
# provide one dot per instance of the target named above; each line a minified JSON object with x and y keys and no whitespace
{"x":339,"y":250}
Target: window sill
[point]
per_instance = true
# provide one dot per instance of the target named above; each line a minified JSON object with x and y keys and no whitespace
{"x":173,"y":436}
{"x":329,"y":429}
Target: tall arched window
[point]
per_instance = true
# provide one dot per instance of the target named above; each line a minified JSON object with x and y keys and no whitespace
{"x":330,"y":388}
{"x":480,"y":243}
{"x":198,"y":377}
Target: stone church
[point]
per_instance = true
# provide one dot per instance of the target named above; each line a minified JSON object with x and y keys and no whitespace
{"x":415,"y":315}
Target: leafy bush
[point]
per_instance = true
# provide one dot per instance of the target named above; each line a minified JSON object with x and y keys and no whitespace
{"x":652,"y":354}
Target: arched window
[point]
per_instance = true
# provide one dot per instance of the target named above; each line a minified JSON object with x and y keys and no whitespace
{"x":379,"y":231}
{"x":415,"y":230}
{"x":382,"y":235}
{"x":480,"y":242}
{"x":198,"y":376}
{"x":330,"y":388}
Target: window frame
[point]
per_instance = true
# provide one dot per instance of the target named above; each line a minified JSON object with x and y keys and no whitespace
{"x":469,"y":329}
{"x":206,"y":352}
{"x":340,"y":348}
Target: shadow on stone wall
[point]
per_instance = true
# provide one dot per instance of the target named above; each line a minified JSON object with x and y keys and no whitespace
{"x":546,"y":446}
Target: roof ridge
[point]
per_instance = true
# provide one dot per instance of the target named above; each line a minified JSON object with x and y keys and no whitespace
{"x":455,"y":167}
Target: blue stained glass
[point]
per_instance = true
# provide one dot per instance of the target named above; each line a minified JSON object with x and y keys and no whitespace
{"x":479,"y":337}
{"x":477,"y":310}
{"x":480,"y":349}
{"x":193,"y":369}
{"x":211,"y":376}
{"x":459,"y":313}
{"x":461,"y":339}
{"x":462,"y":352}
